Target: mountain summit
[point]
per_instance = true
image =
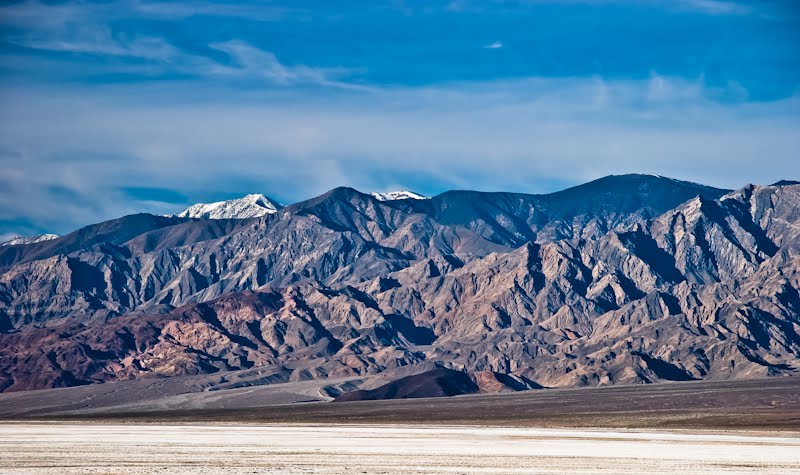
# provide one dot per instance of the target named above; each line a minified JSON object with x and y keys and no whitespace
{"x":250,"y":206}
{"x":398,"y":195}
{"x":20,"y":240}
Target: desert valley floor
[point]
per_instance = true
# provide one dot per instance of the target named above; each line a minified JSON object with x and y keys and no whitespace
{"x":691,"y":427}
{"x":388,"y":449}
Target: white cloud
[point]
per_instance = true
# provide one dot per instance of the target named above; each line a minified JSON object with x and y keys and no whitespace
{"x":514,"y":135}
{"x":494,"y":45}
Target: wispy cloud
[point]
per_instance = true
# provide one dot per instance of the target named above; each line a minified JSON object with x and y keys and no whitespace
{"x":98,"y":40}
{"x":189,"y":8}
{"x":78,"y":29}
{"x":37,"y":13}
{"x":249,"y":61}
{"x":494,"y":45}
{"x":717,"y":7}
{"x":84,"y":29}
{"x":245,"y":60}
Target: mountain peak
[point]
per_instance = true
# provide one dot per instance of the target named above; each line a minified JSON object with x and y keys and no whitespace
{"x":29,"y":239}
{"x":786,"y":183}
{"x":249,"y":206}
{"x":635,"y":178}
{"x":398,"y":195}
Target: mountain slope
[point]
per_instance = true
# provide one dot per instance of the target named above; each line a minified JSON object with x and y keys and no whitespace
{"x":345,"y":284}
{"x":582,"y":212}
{"x":344,"y":237}
{"x":97,"y":237}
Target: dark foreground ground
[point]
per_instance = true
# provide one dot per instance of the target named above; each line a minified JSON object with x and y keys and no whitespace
{"x":754,"y":405}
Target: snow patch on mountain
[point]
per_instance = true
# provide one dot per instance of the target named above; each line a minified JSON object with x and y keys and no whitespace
{"x":250,"y":206}
{"x":19,"y":240}
{"x":398,"y":195}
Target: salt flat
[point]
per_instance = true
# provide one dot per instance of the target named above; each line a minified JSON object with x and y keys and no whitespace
{"x":389,"y":449}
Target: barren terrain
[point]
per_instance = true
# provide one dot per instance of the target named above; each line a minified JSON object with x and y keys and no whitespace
{"x":388,"y":449}
{"x":766,"y":404}
{"x":175,"y":426}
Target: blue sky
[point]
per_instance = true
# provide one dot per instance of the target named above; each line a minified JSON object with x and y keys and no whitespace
{"x":115,"y":107}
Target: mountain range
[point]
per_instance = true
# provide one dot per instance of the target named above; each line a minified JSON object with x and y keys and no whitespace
{"x":626,"y":279}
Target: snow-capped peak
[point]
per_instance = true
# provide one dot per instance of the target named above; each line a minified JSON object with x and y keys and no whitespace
{"x":250,"y":206}
{"x":29,"y":239}
{"x":398,"y":195}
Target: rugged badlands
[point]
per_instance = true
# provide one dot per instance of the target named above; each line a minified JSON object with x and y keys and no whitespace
{"x":627,"y":279}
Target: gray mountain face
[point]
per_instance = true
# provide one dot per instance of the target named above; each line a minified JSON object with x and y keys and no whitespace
{"x":625,"y":279}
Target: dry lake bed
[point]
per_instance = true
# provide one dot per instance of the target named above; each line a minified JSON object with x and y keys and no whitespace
{"x":166,"y":427}
{"x":85,"y":447}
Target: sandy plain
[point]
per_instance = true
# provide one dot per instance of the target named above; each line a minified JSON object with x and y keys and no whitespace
{"x":180,"y":426}
{"x":84,"y":447}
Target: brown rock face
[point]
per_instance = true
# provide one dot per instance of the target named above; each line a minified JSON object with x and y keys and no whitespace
{"x":491,"y":382}
{"x":632,"y":280}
